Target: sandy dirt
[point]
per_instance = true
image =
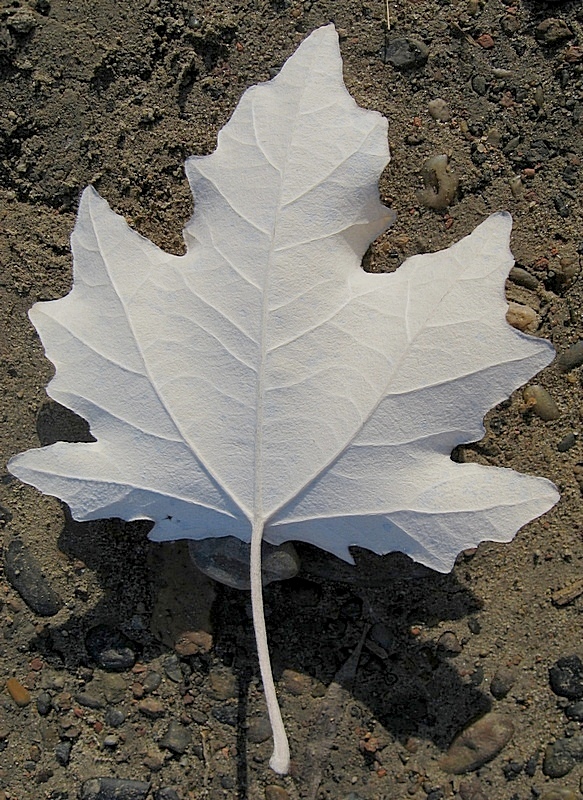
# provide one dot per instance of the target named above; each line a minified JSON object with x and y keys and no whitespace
{"x":118,"y":94}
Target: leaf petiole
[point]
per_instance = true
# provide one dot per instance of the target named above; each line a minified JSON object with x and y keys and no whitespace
{"x":279,"y":761}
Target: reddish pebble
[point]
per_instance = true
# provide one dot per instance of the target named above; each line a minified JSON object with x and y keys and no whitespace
{"x":78,"y":712}
{"x":187,"y":699}
{"x":485,"y":41}
{"x":36,"y":664}
{"x":18,"y":692}
{"x":138,"y":691}
{"x":98,"y":727}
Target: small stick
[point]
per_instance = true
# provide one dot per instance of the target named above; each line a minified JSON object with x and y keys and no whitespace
{"x":388,"y":15}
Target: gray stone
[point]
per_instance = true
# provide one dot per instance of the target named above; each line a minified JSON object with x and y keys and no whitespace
{"x":566,"y":677}
{"x":502,"y":682}
{"x":89,"y":700}
{"x":176,"y":739}
{"x":114,"y":717}
{"x":477,"y":744}
{"x":113,"y":789}
{"x":575,"y":711}
{"x":63,"y":753}
{"x":25,"y":575}
{"x":43,"y":703}
{"x":227,"y":560}
{"x":405,"y":52}
{"x":553,"y":31}
{"x":259,"y":730}
{"x":110,"y":649}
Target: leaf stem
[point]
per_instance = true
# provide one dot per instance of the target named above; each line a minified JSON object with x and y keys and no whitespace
{"x":279,"y":761}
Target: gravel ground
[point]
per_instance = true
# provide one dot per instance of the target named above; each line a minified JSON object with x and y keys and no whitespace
{"x":126,"y":673}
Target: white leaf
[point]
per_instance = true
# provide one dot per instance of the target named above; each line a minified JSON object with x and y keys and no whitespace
{"x":263,"y":384}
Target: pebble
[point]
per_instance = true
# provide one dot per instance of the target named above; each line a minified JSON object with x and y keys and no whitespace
{"x":151,"y":708}
{"x":440,"y":185}
{"x":172,"y":669}
{"x":110,"y":649}
{"x":25,"y":575}
{"x":502,"y":682}
{"x":567,"y":442}
{"x":559,"y":794}
{"x":562,"y":755}
{"x":552,"y":31}
{"x":89,"y":700}
{"x":521,"y":277}
{"x":523,"y":318}
{"x":223,"y":685}
{"x":477,"y":744}
{"x":176,"y":739}
{"x":113,"y":789}
{"x":572,"y":357}
{"x":63,"y":753}
{"x":486,"y":41}
{"x":166,"y":793}
{"x":226,"y":715}
{"x":114,"y":717}
{"x":296,"y":682}
{"x":471,"y":789}
{"x":226,"y":560}
{"x":192,"y":643}
{"x":439,"y":109}
{"x":259,"y":730}
{"x":537,"y":399}
{"x":404,"y":52}
{"x":566,"y":677}
{"x":275,"y":793}
{"x":448,"y":643}
{"x":479,"y":85}
{"x":152,"y":681}
{"x":18,"y":692}
{"x":575,"y":711}
{"x":43,"y":703}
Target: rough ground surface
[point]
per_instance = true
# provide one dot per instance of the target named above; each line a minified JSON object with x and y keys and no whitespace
{"x":118,"y":94}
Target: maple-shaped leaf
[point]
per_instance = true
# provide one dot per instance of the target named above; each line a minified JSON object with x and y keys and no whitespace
{"x":264,"y":385}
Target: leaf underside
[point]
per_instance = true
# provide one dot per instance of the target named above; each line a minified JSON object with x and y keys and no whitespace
{"x":263,"y":378}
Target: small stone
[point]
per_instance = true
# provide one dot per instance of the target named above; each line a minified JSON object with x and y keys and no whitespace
{"x":151,"y":708}
{"x":479,"y":85}
{"x":439,"y":110}
{"x":89,"y":700}
{"x":567,"y":442}
{"x":154,"y":760}
{"x":152,"y":681}
{"x":226,"y":715}
{"x":172,"y":669}
{"x":471,"y":789}
{"x":226,"y":560}
{"x":477,"y":744}
{"x":26,"y":576}
{"x":223,"y":685}
{"x":523,"y":318}
{"x":573,"y":54}
{"x":537,"y":399}
{"x":110,"y":649}
{"x":166,"y":793}
{"x":21,"y":22}
{"x":259,"y":730}
{"x":440,"y":185}
{"x":572,"y":357}
{"x":176,"y":739}
{"x":63,"y":753}
{"x":448,"y":643}
{"x":114,"y":717}
{"x":566,"y":677}
{"x":111,"y":741}
{"x":275,"y":793}
{"x":486,"y":41}
{"x":295,"y":682}
{"x":521,"y":277}
{"x":405,"y":53}
{"x":502,"y":682}
{"x":192,"y":643}
{"x":561,"y":756}
{"x":552,"y":31}
{"x":113,"y":789}
{"x":559,"y":794}
{"x":18,"y":692}
{"x":43,"y":703}
{"x":575,"y":711}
